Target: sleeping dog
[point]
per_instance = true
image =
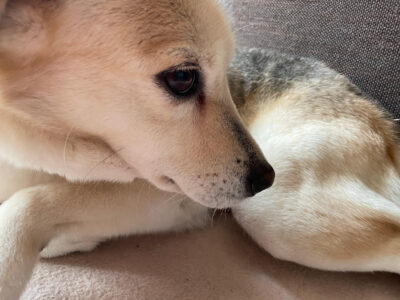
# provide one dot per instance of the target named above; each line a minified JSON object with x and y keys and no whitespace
{"x":96,"y":96}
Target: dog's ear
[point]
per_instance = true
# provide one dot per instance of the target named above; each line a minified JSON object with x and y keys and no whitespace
{"x":22,"y":29}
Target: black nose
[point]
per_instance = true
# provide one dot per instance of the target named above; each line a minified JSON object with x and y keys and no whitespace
{"x":260,"y":177}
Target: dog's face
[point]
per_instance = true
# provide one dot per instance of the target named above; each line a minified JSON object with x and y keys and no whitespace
{"x":146,"y":77}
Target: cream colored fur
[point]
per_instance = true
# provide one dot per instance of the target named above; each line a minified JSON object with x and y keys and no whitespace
{"x":335,"y":202}
{"x":80,"y":105}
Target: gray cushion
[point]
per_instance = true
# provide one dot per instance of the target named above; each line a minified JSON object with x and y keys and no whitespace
{"x":360,"y":39}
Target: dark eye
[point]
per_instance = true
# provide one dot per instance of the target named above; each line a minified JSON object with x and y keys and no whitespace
{"x":182,"y":82}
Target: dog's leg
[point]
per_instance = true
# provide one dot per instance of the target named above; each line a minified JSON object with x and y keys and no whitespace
{"x":139,"y":208}
{"x":344,"y":226}
{"x":77,"y":217}
{"x":335,"y":203}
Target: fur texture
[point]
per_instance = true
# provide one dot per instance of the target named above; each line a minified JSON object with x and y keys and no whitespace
{"x":335,"y":202}
{"x":81,"y":117}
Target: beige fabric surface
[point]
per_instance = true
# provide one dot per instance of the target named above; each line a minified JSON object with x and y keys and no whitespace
{"x":220,"y":262}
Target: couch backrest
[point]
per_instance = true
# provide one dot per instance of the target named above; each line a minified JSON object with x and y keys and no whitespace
{"x":360,"y":39}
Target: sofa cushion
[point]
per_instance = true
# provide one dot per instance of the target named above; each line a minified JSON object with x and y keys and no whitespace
{"x":360,"y":39}
{"x":220,"y":262}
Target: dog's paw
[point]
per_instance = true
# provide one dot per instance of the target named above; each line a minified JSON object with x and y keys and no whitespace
{"x":62,"y":247}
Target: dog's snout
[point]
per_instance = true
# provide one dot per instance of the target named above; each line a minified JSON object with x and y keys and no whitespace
{"x":261,"y":176}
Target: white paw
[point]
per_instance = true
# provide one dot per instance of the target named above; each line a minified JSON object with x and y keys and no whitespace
{"x":62,"y":247}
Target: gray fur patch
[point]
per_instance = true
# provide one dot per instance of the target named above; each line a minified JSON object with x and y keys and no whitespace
{"x":270,"y":73}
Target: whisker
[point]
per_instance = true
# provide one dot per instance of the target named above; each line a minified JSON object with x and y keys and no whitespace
{"x":102,"y":161}
{"x":225,"y":212}
{"x":65,"y":146}
{"x":212,"y":216}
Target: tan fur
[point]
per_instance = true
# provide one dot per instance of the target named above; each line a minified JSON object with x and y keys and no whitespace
{"x":335,"y":201}
{"x":79,"y":107}
{"x":63,"y":59}
{"x":80,"y":102}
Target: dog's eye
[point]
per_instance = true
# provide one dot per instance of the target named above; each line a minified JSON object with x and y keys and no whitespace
{"x":181,"y":82}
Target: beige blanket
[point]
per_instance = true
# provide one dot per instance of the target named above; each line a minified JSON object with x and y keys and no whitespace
{"x":217,"y":263}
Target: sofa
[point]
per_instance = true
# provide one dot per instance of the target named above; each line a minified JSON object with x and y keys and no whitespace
{"x":357,"y":38}
{"x":360,"y":39}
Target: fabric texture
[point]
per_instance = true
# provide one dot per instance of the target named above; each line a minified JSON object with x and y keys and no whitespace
{"x":360,"y":39}
{"x":217,"y":263}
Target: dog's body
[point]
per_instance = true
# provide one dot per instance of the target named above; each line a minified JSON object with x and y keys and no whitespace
{"x":336,"y":200}
{"x":334,"y":204}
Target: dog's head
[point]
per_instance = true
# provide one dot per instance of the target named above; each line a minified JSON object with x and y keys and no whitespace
{"x":146,"y":77}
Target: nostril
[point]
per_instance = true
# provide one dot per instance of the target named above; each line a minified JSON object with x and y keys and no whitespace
{"x":261,"y":177}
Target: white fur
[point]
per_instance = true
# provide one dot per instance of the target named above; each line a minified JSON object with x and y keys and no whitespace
{"x":306,"y":212}
{"x":334,"y":205}
{"x":77,"y":218}
{"x":296,"y":219}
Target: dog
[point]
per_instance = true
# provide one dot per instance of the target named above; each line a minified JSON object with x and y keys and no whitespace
{"x":83,"y":100}
{"x":335,"y":204}
{"x":98,"y":98}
